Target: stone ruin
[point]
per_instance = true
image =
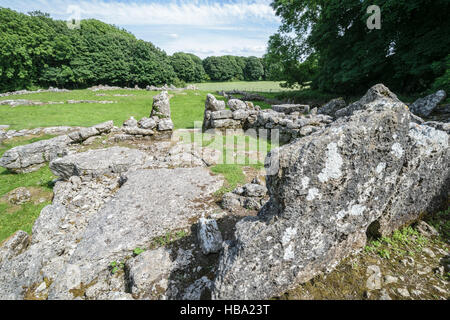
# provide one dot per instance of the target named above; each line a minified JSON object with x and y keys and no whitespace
{"x":289,"y":121}
{"x":31,"y":157}
{"x":374,"y":169}
{"x":159,"y":123}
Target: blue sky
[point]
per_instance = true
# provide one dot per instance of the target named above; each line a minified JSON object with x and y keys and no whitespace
{"x":202,"y":27}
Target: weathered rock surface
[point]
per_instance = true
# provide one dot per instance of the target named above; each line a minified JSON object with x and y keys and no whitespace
{"x":94,"y":163}
{"x":14,"y":246}
{"x":251,"y":196}
{"x":132,"y":122}
{"x":212,"y":104}
{"x":372,"y":170}
{"x":31,"y":157}
{"x":93,"y":222}
{"x":332,"y":107}
{"x":148,"y":273}
{"x":423,"y":107}
{"x":161,"y":106}
{"x":236,"y":104}
{"x":291,"y":108}
{"x":209,"y":236}
{"x":379,"y":93}
{"x":135,"y":216}
{"x":19,"y":196}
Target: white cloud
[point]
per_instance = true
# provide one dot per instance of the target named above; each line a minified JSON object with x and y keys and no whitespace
{"x":196,"y":13}
{"x":202,"y":27}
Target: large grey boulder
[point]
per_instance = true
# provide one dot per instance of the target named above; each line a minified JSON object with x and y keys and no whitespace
{"x":31,"y":157}
{"x":371,"y":172}
{"x":423,"y":107}
{"x":212,"y":104}
{"x":98,"y":162}
{"x":236,"y":104}
{"x":332,"y":107}
{"x":93,"y":222}
{"x":150,"y":204}
{"x":379,"y":93}
{"x":161,"y":106}
{"x":148,"y":273}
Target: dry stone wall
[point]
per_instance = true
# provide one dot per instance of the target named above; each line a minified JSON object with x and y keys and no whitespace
{"x":285,"y":121}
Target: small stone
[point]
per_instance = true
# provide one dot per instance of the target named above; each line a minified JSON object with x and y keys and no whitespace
{"x":384,"y":295}
{"x":165,"y":125}
{"x":390,"y":279}
{"x":41,"y":287}
{"x":19,"y":196}
{"x":403,"y":292}
{"x":428,"y":252}
{"x":374,"y":280}
{"x":255,"y":190}
{"x":440,"y":290}
{"x":426,"y":230}
{"x":416,"y":292}
{"x":132,"y":122}
{"x":209,"y":236}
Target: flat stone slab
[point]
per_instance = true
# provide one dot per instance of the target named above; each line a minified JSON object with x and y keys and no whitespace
{"x":98,"y":162}
{"x":290,"y":108}
{"x":150,"y":204}
{"x":30,"y":157}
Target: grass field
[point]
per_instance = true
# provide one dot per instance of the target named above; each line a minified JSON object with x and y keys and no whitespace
{"x":22,"y":217}
{"x":186,"y":107}
{"x":255,"y":86}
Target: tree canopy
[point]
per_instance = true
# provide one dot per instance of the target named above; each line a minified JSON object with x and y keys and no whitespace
{"x":329,"y":42}
{"x":36,"y":50}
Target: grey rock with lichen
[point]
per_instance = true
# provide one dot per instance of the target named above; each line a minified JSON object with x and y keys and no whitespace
{"x":423,"y":107}
{"x":161,"y":106}
{"x":165,"y":125}
{"x":332,"y":107}
{"x":14,"y":246}
{"x":236,"y":104}
{"x":373,"y":168}
{"x":135,"y":216}
{"x":147,"y":123}
{"x":19,"y":196}
{"x":209,"y":236}
{"x":378,"y":93}
{"x":31,"y":157}
{"x":132,"y":122}
{"x":199,"y":288}
{"x":212,"y":104}
{"x":291,"y":108}
{"x":94,"y":163}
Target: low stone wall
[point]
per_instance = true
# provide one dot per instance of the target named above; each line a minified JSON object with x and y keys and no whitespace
{"x":159,"y":123}
{"x":293,"y":122}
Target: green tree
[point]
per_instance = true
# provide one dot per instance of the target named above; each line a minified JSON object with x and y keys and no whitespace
{"x":188,"y":67}
{"x":407,"y":54}
{"x":254,"y":69}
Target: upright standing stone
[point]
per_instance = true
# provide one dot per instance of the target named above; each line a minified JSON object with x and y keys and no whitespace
{"x":161,"y":106}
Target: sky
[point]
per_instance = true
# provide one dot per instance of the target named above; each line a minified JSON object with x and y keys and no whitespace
{"x":202,"y":27}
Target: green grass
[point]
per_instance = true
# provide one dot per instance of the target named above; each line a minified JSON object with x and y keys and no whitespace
{"x":253,"y":86}
{"x":23,"y":217}
{"x":406,"y":241}
{"x":186,"y":107}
